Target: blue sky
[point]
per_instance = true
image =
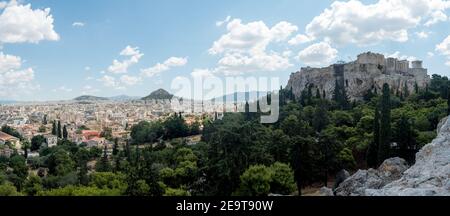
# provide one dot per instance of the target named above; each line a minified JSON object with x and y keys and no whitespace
{"x":72,"y":51}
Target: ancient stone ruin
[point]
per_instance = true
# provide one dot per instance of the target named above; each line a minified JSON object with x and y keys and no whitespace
{"x":369,"y":72}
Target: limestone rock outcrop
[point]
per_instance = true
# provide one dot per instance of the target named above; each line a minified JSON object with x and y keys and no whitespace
{"x":429,"y":176}
{"x":356,"y":185}
{"x":370,"y":71}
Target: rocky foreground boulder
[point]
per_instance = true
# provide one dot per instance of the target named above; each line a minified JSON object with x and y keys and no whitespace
{"x":430,"y":176}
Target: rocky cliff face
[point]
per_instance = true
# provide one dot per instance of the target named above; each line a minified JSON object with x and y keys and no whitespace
{"x":369,"y":71}
{"x":430,"y":176}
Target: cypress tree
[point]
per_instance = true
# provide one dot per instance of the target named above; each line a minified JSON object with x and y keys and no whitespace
{"x":58,"y":130}
{"x":309,"y":95}
{"x":324,"y":94}
{"x":54,"y":128}
{"x":65,"y":133}
{"x":340,"y":96}
{"x":405,"y":90}
{"x":247,"y":111}
{"x":372,"y":151}
{"x":416,"y":88}
{"x":385,"y":126}
{"x":405,"y":138}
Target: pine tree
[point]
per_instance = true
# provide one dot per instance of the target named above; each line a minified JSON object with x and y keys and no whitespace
{"x":372,"y":151}
{"x":58,"y":130}
{"x":385,"y":126}
{"x":65,"y":133}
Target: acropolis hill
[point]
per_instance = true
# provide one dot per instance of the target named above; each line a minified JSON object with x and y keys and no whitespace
{"x":370,"y":71}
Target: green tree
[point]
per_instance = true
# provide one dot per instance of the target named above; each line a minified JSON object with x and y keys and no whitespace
{"x":385,"y":126}
{"x":54,"y":130}
{"x":65,"y":133}
{"x":42,"y":129}
{"x":37,"y":141}
{"x":372,"y":152}
{"x":33,"y":185}
{"x":282,"y":181}
{"x":321,"y":119}
{"x":20,"y":171}
{"x":405,"y":137}
{"x":255,"y":181}
{"x":8,"y":189}
{"x":59,"y":130}
{"x":60,"y":163}
{"x":103,"y":165}
{"x":116,"y":147}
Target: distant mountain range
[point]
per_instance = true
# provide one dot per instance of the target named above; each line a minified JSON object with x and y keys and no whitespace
{"x":90,"y":98}
{"x":123,"y":98}
{"x":159,"y":94}
{"x":8,"y":101}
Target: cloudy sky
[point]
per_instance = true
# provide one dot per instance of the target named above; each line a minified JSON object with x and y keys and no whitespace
{"x":62,"y":49}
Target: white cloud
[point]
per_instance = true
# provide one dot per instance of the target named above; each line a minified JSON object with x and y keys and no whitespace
{"x":165,"y":66}
{"x":108,"y":81}
{"x":78,"y":24}
{"x":319,"y":54}
{"x":130,"y":80}
{"x":62,"y":88}
{"x":87,"y":68}
{"x":15,"y":80}
{"x":367,"y":24}
{"x":251,"y":37}
{"x":244,"y":47}
{"x":133,"y":54}
{"x":3,"y":4}
{"x":238,"y":63}
{"x":430,"y":54}
{"x":21,"y":24}
{"x":282,"y":30}
{"x":444,"y":49}
{"x":203,"y":73}
{"x":423,"y":34}
{"x":226,"y":20}
{"x":437,"y":16}
{"x":300,"y":39}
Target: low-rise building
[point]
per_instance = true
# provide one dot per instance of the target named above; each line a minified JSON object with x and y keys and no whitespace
{"x":6,"y":138}
{"x":51,"y":140}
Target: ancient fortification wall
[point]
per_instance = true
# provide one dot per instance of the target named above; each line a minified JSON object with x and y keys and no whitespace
{"x":370,"y":70}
